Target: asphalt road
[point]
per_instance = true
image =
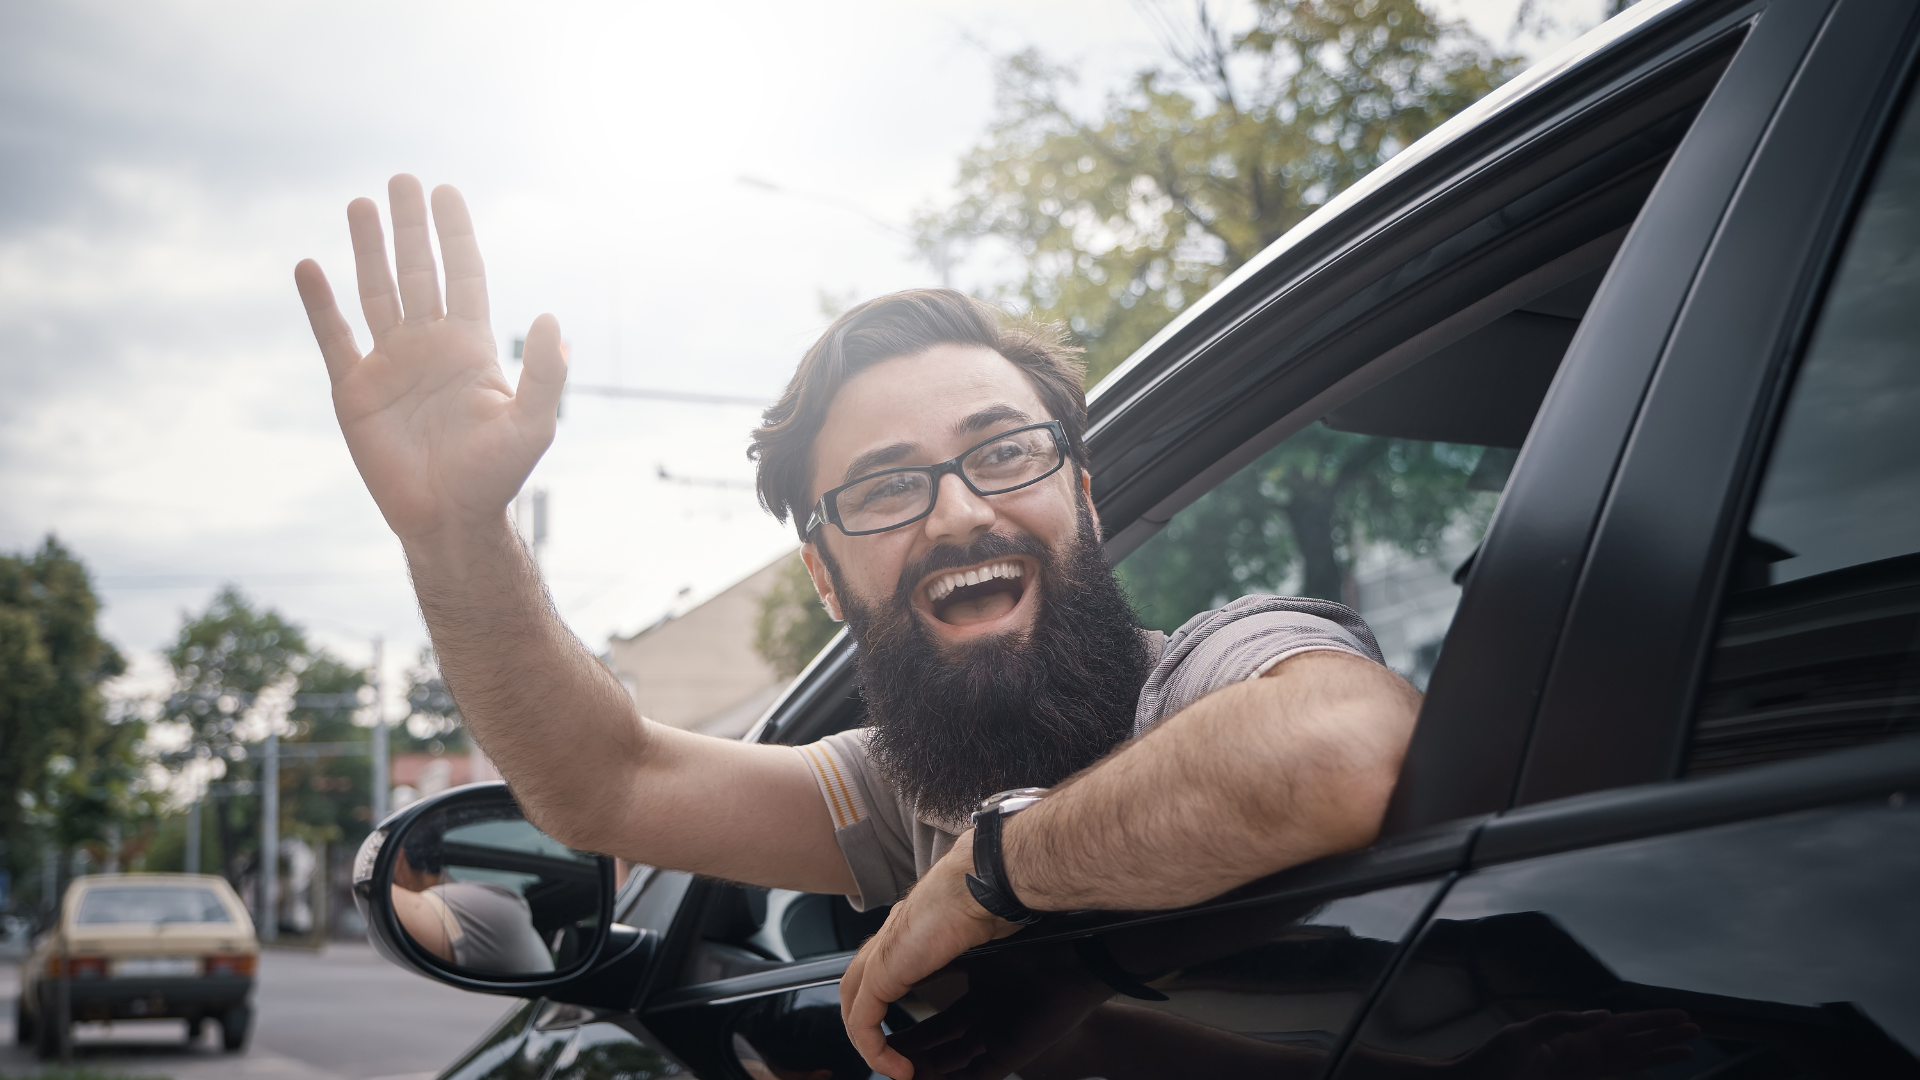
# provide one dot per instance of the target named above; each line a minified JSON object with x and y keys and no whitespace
{"x":342,"y":1014}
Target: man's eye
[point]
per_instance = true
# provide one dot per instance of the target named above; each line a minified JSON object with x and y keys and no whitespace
{"x":892,"y":487}
{"x":1001,"y":453}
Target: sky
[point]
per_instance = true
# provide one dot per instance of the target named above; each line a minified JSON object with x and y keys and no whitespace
{"x":164,"y":165}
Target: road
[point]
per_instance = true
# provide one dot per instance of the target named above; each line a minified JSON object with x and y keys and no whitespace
{"x":341,"y":1014}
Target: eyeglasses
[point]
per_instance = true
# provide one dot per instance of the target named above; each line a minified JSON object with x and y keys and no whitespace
{"x":892,"y":498}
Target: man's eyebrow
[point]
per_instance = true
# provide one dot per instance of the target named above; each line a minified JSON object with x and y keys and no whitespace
{"x":991,"y":416}
{"x":875,"y":460}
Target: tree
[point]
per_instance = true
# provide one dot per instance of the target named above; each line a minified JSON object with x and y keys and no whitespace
{"x":222,"y":660}
{"x":73,"y":769}
{"x":433,"y":722}
{"x":1120,"y":220}
{"x":1297,"y":519}
{"x":327,"y":799}
{"x":793,"y":626}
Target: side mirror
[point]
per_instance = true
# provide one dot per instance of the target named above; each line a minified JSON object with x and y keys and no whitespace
{"x":461,"y":888}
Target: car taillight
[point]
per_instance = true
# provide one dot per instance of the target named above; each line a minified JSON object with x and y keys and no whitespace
{"x":230,"y":964}
{"x":80,"y":967}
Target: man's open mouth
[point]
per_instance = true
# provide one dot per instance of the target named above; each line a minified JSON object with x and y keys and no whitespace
{"x":979,"y":594}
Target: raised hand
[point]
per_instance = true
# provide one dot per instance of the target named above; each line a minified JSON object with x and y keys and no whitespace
{"x":441,"y":439}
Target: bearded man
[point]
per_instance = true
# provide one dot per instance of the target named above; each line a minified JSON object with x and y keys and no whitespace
{"x":931,"y":457}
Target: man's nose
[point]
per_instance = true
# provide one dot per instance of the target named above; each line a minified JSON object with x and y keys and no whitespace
{"x":958,"y":514}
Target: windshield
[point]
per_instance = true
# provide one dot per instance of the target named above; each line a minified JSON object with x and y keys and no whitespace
{"x":151,"y":904}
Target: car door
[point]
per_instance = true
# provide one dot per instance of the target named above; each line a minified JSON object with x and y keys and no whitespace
{"x":1717,"y":846}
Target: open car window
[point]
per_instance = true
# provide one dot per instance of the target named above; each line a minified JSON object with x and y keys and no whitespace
{"x":1381,"y":504}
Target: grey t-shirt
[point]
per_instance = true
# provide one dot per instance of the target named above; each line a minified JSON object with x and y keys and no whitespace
{"x":889,"y":844}
{"x":492,"y":928}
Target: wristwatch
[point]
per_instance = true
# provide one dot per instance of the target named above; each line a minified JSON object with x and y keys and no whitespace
{"x":988,"y":882}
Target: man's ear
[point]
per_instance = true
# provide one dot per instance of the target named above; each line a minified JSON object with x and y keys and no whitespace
{"x":822,"y":581}
{"x":1086,"y":489}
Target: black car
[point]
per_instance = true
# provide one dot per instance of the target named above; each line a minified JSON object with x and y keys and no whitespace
{"x":1630,"y":352}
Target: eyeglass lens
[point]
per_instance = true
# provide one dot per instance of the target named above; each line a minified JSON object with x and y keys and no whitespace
{"x":894,"y":498}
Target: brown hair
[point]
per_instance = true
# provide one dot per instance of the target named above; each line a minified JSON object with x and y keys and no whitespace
{"x":889,"y":327}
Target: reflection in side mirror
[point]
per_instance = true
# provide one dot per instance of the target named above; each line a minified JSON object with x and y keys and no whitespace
{"x":463,"y":889}
{"x":490,"y":893}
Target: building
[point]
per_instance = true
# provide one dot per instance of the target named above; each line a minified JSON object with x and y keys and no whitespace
{"x":698,"y":670}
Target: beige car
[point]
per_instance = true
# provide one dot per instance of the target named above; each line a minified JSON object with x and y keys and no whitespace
{"x":141,"y":947}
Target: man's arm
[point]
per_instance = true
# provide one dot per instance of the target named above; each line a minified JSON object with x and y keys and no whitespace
{"x":1246,"y":782}
{"x":584,"y":765}
{"x":1252,"y":779}
{"x":444,"y":443}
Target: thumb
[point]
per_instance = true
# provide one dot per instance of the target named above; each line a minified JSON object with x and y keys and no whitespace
{"x":543,"y":372}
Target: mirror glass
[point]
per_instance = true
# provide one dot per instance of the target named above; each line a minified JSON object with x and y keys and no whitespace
{"x":480,"y":888}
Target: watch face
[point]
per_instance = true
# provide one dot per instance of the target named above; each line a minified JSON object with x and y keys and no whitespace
{"x":1014,"y":800}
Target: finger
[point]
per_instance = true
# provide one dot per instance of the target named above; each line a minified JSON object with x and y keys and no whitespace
{"x":466,"y":275}
{"x":330,"y":327}
{"x":543,"y":375}
{"x":413,"y":250}
{"x":379,"y":303}
{"x":863,"y":1030}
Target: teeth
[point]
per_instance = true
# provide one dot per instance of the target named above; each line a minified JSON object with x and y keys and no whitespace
{"x":944,"y":586}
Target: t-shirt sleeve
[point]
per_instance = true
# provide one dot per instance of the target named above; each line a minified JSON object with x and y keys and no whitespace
{"x":1243,"y":640}
{"x":868,"y":821}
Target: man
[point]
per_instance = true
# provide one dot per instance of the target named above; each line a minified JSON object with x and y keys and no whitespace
{"x":932,"y":459}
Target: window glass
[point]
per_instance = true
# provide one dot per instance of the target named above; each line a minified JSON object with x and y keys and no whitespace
{"x":150,"y":904}
{"x":1383,"y":525}
{"x":1819,"y":646}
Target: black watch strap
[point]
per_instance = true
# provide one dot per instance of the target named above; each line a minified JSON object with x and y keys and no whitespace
{"x":988,"y":882}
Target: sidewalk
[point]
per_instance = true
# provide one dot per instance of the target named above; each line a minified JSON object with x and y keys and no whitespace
{"x":341,"y":1014}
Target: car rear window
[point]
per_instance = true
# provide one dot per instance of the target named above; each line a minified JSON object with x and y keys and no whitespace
{"x":151,"y":904}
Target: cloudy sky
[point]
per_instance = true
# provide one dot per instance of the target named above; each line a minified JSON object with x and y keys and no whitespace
{"x":163,"y":165}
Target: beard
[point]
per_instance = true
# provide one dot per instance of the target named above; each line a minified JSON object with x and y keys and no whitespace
{"x":954,"y":723}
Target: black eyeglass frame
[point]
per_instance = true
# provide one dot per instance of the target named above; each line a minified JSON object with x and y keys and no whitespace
{"x":827,"y":510}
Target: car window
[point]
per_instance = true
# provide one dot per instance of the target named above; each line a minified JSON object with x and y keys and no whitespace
{"x":1819,"y":641}
{"x":1381,"y":504}
{"x":748,"y":929}
{"x":1379,"y":524}
{"x":101,"y":906}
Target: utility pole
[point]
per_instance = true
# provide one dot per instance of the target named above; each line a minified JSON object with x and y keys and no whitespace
{"x":193,"y":834}
{"x":269,"y":926}
{"x":379,"y":735}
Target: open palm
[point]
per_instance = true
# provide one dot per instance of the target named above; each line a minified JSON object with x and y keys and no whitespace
{"x":441,"y":439}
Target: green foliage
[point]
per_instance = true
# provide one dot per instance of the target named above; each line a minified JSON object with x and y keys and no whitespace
{"x":1295,"y":520}
{"x":70,"y":767}
{"x":327,"y":799}
{"x":1122,"y":219}
{"x":433,"y":722}
{"x":792,"y":625}
{"x":221,"y":659}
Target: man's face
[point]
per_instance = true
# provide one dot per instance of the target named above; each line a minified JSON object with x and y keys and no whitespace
{"x":921,"y":410}
{"x":1012,"y":681}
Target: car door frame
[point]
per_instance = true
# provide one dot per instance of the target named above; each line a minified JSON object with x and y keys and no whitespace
{"x":1652,"y":583}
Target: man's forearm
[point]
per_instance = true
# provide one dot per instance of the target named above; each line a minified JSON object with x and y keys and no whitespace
{"x":1248,"y":781}
{"x":529,"y":690}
